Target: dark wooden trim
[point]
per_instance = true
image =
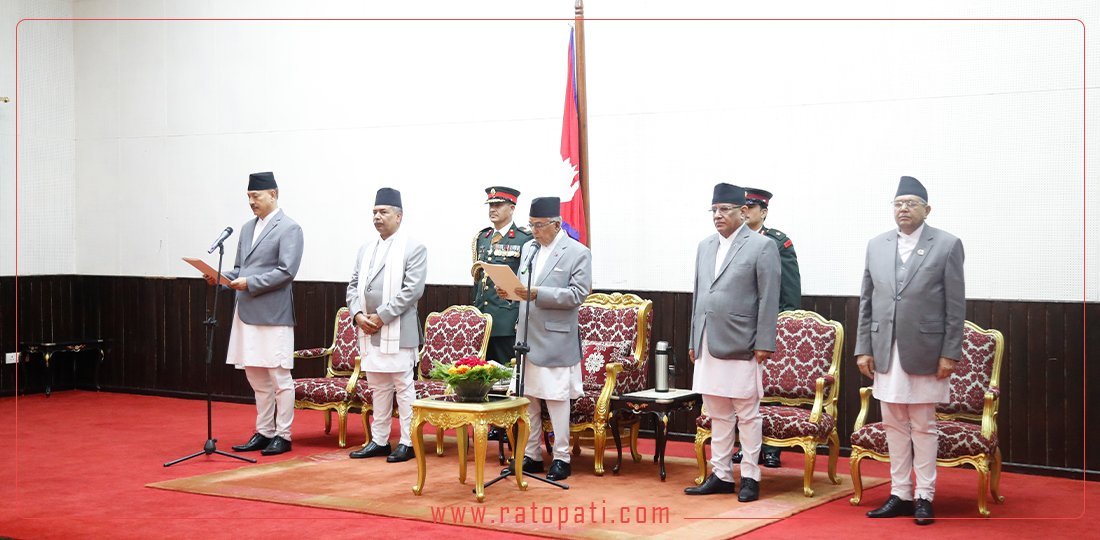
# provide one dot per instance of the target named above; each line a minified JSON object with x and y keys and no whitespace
{"x":157,"y":347}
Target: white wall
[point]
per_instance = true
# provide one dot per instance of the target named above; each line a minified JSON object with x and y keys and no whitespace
{"x":171,"y":116}
{"x":47,"y":155}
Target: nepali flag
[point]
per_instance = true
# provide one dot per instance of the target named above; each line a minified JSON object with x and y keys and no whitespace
{"x":574,"y":220}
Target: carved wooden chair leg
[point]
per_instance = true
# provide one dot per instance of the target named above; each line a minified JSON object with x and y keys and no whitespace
{"x":810,"y":451}
{"x":328,"y":421}
{"x":834,"y":455}
{"x":857,"y":481}
{"x":983,"y":487}
{"x":701,"y":436}
{"x":995,"y":477}
{"x":634,"y":453}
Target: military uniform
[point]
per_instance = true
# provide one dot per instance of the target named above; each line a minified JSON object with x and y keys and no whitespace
{"x":490,"y":247}
{"x":790,"y":291}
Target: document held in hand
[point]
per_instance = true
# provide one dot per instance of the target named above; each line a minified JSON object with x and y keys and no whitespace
{"x":503,"y":276}
{"x":206,"y":270}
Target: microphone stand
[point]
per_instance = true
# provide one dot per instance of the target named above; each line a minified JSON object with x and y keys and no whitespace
{"x":211,"y":322}
{"x":522,"y":348}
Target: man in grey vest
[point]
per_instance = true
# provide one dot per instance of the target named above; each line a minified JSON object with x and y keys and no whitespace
{"x":387,"y":281}
{"x":912,"y":307}
{"x":261,"y":341}
{"x":561,"y":274}
{"x":735,"y":306}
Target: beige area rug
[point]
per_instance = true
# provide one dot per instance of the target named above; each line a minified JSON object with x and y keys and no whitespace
{"x":634,"y":503}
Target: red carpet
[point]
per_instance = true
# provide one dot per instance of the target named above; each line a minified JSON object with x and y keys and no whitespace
{"x":80,"y":461}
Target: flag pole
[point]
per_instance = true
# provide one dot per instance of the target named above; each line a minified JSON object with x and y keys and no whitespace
{"x":582,"y":112}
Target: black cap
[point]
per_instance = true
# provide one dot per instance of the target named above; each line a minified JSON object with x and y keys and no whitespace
{"x":259,"y":181}
{"x":728,"y":193}
{"x":388,"y":197}
{"x":501,"y":194}
{"x":757,"y":196}
{"x":546,"y":207}
{"x":911,"y":186}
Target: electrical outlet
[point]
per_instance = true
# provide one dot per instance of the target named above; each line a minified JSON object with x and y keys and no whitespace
{"x":11,"y":358}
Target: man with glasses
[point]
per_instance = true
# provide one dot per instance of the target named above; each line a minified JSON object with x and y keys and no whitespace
{"x":790,"y":288}
{"x":734,"y":311}
{"x":386,"y":283}
{"x":560,"y":273}
{"x":911,"y":310}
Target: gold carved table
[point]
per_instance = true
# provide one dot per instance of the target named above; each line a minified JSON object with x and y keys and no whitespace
{"x":445,"y":413}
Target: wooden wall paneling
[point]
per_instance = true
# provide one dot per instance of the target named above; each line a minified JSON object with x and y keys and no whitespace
{"x":1015,"y":388}
{"x":1000,"y":319}
{"x":7,"y":333}
{"x":1092,"y":376}
{"x":1054,"y":392}
{"x":1038,"y":416}
{"x":1073,"y":385}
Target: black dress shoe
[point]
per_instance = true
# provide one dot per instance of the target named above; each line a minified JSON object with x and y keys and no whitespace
{"x":371,"y":450}
{"x":770,"y":459}
{"x":495,"y":433}
{"x":711,"y":485}
{"x":529,"y":466}
{"x":401,"y":453}
{"x":559,"y":470}
{"x":737,"y":456}
{"x":257,"y":442}
{"x":923,"y":512}
{"x":893,"y":507}
{"x":750,"y":490}
{"x":278,"y":445}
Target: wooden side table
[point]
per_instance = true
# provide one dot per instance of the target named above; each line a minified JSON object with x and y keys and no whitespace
{"x":659,"y":404}
{"x":445,"y":413}
{"x":47,"y":350}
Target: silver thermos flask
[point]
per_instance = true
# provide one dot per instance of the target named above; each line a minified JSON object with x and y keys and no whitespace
{"x":660,"y":367}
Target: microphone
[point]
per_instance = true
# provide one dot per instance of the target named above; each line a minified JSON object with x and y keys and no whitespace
{"x":221,"y":238}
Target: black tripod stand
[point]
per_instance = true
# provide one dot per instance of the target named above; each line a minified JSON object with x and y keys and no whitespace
{"x":211,"y":322}
{"x":521,"y":358}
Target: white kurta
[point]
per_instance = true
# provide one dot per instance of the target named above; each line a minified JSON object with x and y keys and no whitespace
{"x":739,"y":379}
{"x":379,"y":362}
{"x":897,"y":386}
{"x":260,"y":346}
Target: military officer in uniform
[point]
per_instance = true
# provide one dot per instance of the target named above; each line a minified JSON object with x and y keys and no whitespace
{"x":498,"y":244}
{"x":790,"y":288}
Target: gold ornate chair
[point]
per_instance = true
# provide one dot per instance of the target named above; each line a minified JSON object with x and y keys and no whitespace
{"x":614,"y":331}
{"x":457,"y":332}
{"x":336,"y":390}
{"x":967,"y":424}
{"x":801,"y":384}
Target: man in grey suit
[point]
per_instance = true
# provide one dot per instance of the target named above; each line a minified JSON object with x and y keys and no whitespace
{"x":261,"y":341}
{"x":912,"y":307}
{"x":734,"y":312}
{"x":561,"y":270}
{"x":388,"y":280}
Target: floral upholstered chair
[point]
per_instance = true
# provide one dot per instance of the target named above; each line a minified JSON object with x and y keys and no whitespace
{"x":336,"y":390}
{"x":614,"y":331}
{"x":801,"y":385}
{"x":967,"y":424}
{"x":457,"y":332}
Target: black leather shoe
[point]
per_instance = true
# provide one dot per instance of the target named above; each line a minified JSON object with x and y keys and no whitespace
{"x":750,"y":490}
{"x":257,"y":442}
{"x":770,"y":460}
{"x":371,"y":450}
{"x":923,"y":512}
{"x":737,"y":456}
{"x":893,"y":507}
{"x":711,"y":485}
{"x":495,"y":433}
{"x":401,"y":453}
{"x":278,"y":445}
{"x":529,"y":466}
{"x":559,"y":470}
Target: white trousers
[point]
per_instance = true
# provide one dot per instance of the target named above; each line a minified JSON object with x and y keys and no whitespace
{"x":559,"y":418}
{"x":274,"y":389}
{"x":724,"y":413}
{"x":912,"y":442}
{"x":384,"y":386}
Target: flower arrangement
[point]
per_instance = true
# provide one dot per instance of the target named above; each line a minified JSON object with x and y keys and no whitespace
{"x":470,"y":377}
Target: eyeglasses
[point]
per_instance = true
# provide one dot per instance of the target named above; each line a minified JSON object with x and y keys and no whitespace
{"x":722,"y":209}
{"x":540,"y":225}
{"x":898,"y":205}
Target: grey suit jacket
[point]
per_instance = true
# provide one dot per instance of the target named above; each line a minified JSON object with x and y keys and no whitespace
{"x":564,"y":283}
{"x":739,"y":307}
{"x":270,"y":266}
{"x":925,"y":313}
{"x":404,"y":304}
